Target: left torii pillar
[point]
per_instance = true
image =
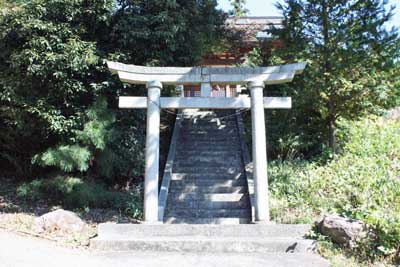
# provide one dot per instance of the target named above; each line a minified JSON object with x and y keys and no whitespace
{"x":152,"y":152}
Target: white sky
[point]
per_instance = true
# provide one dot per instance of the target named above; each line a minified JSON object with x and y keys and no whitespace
{"x":267,"y":8}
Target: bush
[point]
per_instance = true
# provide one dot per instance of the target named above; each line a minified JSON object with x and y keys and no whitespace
{"x":362,"y":183}
{"x":75,"y":193}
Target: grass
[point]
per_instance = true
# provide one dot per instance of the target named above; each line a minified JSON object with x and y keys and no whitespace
{"x":75,"y":193}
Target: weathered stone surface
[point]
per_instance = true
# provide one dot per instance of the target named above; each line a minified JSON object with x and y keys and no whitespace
{"x":232,"y":75}
{"x":342,"y":230}
{"x":205,"y":167}
{"x":248,"y":238}
{"x":21,"y":251}
{"x":60,"y":219}
{"x":205,"y":102}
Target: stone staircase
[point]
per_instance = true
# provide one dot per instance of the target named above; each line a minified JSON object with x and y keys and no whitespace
{"x":207,"y":215}
{"x":208,"y":182}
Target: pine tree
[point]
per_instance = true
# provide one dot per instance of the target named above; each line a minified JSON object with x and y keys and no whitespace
{"x":350,"y":52}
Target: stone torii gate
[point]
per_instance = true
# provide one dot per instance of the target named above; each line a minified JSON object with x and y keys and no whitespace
{"x":256,"y":78}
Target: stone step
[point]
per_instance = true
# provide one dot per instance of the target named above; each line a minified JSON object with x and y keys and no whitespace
{"x":208,"y":189}
{"x":211,"y":154}
{"x":194,"y":129}
{"x":200,"y":149}
{"x":208,"y":170}
{"x":206,"y":221}
{"x":112,"y":230}
{"x":208,"y":182}
{"x":208,"y":138}
{"x":211,"y":128}
{"x":221,"y":157}
{"x":207,"y":153}
{"x":220,"y":147}
{"x":221,"y":143}
{"x":209,"y":176}
{"x":225,"y":132}
{"x":211,"y":113}
{"x":208,"y":125}
{"x":209,"y":205}
{"x":198,"y":121}
{"x":211,"y":118}
{"x":193,"y":148}
{"x":204,"y":244}
{"x":204,"y":156}
{"x":211,"y":197}
{"x":207,"y":213}
{"x":198,"y":164}
{"x":209,"y":122}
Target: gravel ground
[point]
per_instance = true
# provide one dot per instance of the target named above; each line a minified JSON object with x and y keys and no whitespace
{"x":21,"y":251}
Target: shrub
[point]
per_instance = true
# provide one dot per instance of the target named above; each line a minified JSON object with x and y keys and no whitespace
{"x":75,"y":193}
{"x":362,"y":183}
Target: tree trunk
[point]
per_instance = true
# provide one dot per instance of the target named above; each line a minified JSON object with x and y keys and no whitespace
{"x":328,"y":70}
{"x":332,"y":126}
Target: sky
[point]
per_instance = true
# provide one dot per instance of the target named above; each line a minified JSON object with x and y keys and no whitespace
{"x":267,"y":8}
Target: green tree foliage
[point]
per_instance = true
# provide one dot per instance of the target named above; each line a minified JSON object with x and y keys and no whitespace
{"x":351,"y":66}
{"x":164,"y":33}
{"x":49,"y":65}
{"x":239,"y":9}
{"x":94,"y":137}
{"x":57,"y":99}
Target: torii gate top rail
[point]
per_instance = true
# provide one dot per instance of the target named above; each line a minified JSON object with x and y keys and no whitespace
{"x":214,"y":75}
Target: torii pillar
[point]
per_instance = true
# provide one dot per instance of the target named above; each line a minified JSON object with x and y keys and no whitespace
{"x":259,"y":150}
{"x":256,"y":78}
{"x":152,"y":151}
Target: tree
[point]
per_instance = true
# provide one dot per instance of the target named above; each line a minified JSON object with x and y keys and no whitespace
{"x":350,"y":53}
{"x":164,"y":33}
{"x":239,"y":9}
{"x":58,"y":100}
{"x":49,"y":67}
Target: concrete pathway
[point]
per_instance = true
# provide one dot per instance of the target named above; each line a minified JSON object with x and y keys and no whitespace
{"x":19,"y":251}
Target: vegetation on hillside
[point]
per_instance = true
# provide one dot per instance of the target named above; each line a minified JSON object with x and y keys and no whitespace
{"x":362,"y":183}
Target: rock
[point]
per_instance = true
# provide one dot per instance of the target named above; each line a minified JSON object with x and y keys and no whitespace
{"x":393,"y":114}
{"x":342,"y":230}
{"x":63,"y":220}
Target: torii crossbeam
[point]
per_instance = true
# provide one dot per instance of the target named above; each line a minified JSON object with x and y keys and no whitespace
{"x":256,"y":78}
